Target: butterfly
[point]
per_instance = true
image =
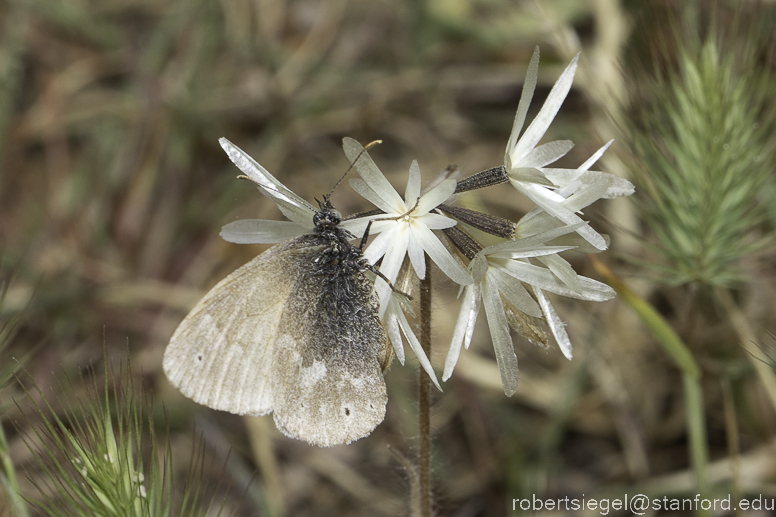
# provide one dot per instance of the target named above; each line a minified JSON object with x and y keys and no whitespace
{"x":295,"y":332}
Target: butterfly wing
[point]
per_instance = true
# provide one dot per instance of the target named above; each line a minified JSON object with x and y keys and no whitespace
{"x":327,"y":379}
{"x":279,"y":336}
{"x":221,"y":353}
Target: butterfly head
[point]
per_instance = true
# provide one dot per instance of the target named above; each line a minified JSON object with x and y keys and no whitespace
{"x":327,"y":216}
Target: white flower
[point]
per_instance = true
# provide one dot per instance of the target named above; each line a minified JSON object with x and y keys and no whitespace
{"x":526,"y":163}
{"x":405,"y":229}
{"x":505,"y":272}
{"x":577,"y":189}
{"x":261,"y":231}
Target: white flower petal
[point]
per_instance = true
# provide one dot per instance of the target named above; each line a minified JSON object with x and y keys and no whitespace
{"x":596,"y":156}
{"x":539,"y":250}
{"x":513,"y":291}
{"x":479,"y":267}
{"x":417,"y":256}
{"x":562,"y":177}
{"x":371,"y":174}
{"x":467,"y":339}
{"x":565,"y":177}
{"x":441,"y":257}
{"x":618,"y":187}
{"x":383,"y":225}
{"x":435,"y":196}
{"x":568,"y":190}
{"x":533,"y":240}
{"x":547,"y":153}
{"x":586,"y":196}
{"x":436,"y":221}
{"x":530,"y":175}
{"x":576,"y":241}
{"x":557,"y":327}
{"x":258,"y":174}
{"x":358,"y":226}
{"x":260,"y":231}
{"x":537,"y":221}
{"x":544,"y":118}
{"x":595,"y":185}
{"x":412,"y":193}
{"x":540,"y":196}
{"x":544,"y":279}
{"x":499,"y":333}
{"x":391,"y":321}
{"x":585,"y":189}
{"x":394,"y":254}
{"x":392,"y":261}
{"x":365,"y":191}
{"x":464,"y":327}
{"x":544,"y":222}
{"x":563,"y":270}
{"x":299,"y":214}
{"x":414,"y":343}
{"x":379,"y":245}
{"x":529,"y":85}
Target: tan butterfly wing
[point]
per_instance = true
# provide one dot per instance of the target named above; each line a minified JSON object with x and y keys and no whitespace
{"x":328,"y":377}
{"x":221,"y":353}
{"x":280,"y":335}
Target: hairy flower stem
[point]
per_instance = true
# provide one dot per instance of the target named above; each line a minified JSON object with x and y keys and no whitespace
{"x":424,"y":395}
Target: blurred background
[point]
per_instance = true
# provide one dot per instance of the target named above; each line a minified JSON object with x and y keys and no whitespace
{"x":113,"y":189}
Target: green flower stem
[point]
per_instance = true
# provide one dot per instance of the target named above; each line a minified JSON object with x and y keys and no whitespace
{"x":696,"y":422}
{"x":691,"y":373}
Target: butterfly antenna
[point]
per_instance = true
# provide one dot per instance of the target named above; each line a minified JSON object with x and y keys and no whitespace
{"x":265,"y":187}
{"x":363,"y":151}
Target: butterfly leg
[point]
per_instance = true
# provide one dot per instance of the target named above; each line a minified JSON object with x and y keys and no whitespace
{"x":377,"y":272}
{"x":372,"y":268}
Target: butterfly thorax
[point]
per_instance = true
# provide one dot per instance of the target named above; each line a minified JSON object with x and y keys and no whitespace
{"x":339,"y":256}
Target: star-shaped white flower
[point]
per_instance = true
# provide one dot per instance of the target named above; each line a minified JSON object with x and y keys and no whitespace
{"x":406,"y":227}
{"x":506,"y":271}
{"x":526,"y":163}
